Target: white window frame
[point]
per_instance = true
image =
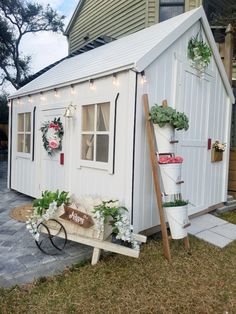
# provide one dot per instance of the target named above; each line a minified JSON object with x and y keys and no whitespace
{"x":23,"y":154}
{"x":108,"y":166}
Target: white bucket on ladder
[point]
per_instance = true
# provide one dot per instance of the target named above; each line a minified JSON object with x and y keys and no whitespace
{"x":171,"y":176}
{"x":177,"y":217}
{"x":163,"y":137}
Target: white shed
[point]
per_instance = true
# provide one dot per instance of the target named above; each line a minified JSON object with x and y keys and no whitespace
{"x":104,"y":146}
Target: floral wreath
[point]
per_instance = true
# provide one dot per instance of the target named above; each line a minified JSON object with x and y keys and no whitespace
{"x":52,"y":135}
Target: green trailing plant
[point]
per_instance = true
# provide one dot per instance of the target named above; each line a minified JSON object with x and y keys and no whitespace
{"x":175,"y":203}
{"x":48,"y":197}
{"x":199,"y":53}
{"x":44,"y":209}
{"x":111,"y":212}
{"x":166,"y":115}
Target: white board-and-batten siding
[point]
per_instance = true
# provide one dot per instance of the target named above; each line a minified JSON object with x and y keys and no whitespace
{"x":162,"y":52}
{"x":170,"y":77}
{"x":31,"y":177}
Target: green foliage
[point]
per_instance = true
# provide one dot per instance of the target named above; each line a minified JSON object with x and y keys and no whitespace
{"x":42,"y":204}
{"x":198,"y":50}
{"x":18,"y":18}
{"x":175,"y":203}
{"x":3,"y":108}
{"x":167,"y":115}
{"x":111,"y":213}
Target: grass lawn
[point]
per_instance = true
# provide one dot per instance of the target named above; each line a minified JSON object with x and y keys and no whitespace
{"x":200,"y":281}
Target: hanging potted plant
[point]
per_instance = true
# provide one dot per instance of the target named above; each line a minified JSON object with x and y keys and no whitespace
{"x":165,"y":121}
{"x":177,"y":216}
{"x":171,"y":174}
{"x":217,"y":151}
{"x":199,"y":54}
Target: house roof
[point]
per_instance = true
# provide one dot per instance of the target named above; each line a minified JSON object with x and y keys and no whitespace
{"x":135,"y":51}
{"x":74,"y":16}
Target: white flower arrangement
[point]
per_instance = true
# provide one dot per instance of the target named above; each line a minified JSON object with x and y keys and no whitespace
{"x":33,"y":221}
{"x":109,"y":211}
{"x":219,"y":147}
{"x":45,"y":209}
{"x":199,"y":54}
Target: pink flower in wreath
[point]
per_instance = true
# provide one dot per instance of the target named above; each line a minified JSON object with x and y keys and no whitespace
{"x":53,"y":144}
{"x":51,"y":125}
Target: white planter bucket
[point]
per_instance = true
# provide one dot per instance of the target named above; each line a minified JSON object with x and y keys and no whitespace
{"x":171,"y":175}
{"x":177,"y":218}
{"x":163,"y":137}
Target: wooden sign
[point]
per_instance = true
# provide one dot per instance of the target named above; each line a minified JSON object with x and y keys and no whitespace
{"x":77,"y":217}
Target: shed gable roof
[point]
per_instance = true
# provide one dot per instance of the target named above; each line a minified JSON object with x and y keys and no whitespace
{"x":135,"y":51}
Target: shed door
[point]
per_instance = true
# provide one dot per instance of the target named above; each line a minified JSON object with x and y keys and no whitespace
{"x":193,"y":98}
{"x":52,"y":172}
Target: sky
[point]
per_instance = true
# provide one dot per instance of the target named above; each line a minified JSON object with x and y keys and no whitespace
{"x":47,"y":47}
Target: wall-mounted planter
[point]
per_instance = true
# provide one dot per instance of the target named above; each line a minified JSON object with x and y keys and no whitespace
{"x":171,"y":177}
{"x":164,"y":136}
{"x":216,"y":155}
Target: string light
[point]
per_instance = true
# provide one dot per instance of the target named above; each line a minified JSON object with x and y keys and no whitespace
{"x":56,"y":94}
{"x":143,"y":78}
{"x":115,"y":79}
{"x":42,"y":97}
{"x":91,"y":84}
{"x":72,"y":89}
{"x":29,"y":98}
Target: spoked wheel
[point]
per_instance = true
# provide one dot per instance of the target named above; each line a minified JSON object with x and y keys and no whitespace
{"x":51,"y":244}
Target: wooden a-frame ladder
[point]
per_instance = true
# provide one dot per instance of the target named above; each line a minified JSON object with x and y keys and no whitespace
{"x":154,"y":164}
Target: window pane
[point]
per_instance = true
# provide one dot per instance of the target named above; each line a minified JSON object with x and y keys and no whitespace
{"x":27,"y":143}
{"x":20,"y":143}
{"x":168,"y":12}
{"x":102,"y":148}
{"x":103,"y":112}
{"x":28,"y":122}
{"x":20,"y":122}
{"x":88,"y":118}
{"x":87,"y":147}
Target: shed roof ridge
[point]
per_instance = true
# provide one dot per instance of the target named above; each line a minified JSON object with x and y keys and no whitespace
{"x":122,"y":54}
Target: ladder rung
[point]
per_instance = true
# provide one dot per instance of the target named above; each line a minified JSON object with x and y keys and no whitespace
{"x":187,"y":225}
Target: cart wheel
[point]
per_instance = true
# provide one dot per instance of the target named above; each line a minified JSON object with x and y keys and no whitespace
{"x":52,"y":244}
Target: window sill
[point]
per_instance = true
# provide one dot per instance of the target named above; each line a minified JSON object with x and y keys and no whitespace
{"x":23,"y":155}
{"x":94,"y":165}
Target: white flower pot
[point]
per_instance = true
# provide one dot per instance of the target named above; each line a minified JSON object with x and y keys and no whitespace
{"x":177,"y":218}
{"x":171,"y":175}
{"x":163,"y":137}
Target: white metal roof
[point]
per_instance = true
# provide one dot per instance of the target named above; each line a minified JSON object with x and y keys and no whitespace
{"x":135,"y":51}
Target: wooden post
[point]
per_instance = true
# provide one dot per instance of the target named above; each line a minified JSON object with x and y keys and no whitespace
{"x":186,"y":243}
{"x":228,"y":55}
{"x":153,"y":160}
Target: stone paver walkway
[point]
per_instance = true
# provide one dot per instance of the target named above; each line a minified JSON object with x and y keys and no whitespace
{"x":20,"y":260}
{"x":213,"y":230}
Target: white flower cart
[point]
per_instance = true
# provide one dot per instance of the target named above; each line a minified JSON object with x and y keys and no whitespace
{"x":78,"y":224}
